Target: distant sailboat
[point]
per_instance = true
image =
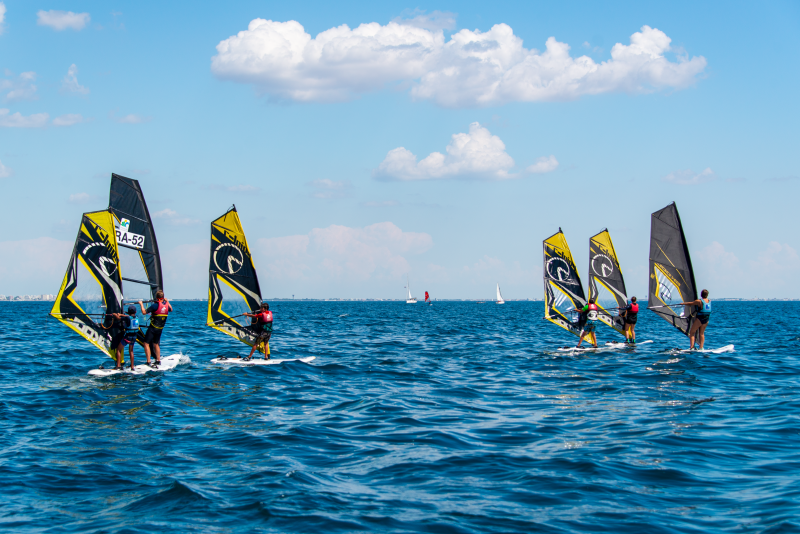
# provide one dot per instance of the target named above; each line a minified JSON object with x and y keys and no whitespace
{"x":428,"y":299}
{"x":409,"y":298}
{"x":499,"y":296}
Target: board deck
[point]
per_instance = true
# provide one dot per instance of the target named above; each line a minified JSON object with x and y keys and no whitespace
{"x":604,"y":347}
{"x":721,"y":350}
{"x":167,"y":363}
{"x":259,"y":361}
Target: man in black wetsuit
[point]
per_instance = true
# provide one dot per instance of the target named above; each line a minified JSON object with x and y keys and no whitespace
{"x":630,"y":313}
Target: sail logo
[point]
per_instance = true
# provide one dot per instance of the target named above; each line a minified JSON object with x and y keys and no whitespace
{"x":107,"y":265}
{"x":126,"y":238}
{"x":559,"y":270}
{"x":603,"y":265}
{"x":231,"y":257}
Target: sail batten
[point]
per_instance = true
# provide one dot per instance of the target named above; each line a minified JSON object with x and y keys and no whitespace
{"x":671,"y":273}
{"x":232,"y":272}
{"x":606,"y":284}
{"x":563,"y":292}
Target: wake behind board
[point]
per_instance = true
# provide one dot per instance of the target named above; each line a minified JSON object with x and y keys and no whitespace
{"x":604,"y":347}
{"x":721,"y":350}
{"x":167,"y":363}
{"x":258,"y":361}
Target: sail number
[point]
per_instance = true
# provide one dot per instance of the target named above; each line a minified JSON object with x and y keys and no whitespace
{"x":129,"y":239}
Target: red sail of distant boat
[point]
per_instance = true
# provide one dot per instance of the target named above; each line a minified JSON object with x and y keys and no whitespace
{"x":427,"y":298}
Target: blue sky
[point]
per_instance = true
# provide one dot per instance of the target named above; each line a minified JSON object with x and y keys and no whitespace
{"x":312,"y":128}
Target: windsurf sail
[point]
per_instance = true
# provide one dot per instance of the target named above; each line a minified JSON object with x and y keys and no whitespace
{"x":563,"y":293}
{"x":232,"y":282}
{"x":92,"y":286}
{"x":671,"y":273}
{"x":427,"y":297}
{"x":499,"y":296}
{"x":606,"y":284}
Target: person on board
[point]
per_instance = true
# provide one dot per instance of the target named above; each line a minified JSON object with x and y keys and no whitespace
{"x":629,"y":314}
{"x":701,"y":315}
{"x":130,"y":324}
{"x":589,"y":323}
{"x":158,"y":310}
{"x":262,"y":328}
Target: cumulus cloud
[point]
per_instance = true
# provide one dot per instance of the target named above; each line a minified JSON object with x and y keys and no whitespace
{"x":689,"y":177}
{"x":62,"y":20}
{"x":17,"y":120}
{"x":70,"y":82}
{"x":68,"y":120}
{"x":477,"y":154}
{"x":172,"y":217}
{"x":5,"y":172}
{"x":131,"y":118}
{"x":341,"y":253}
{"x":326,"y":188}
{"x":472,"y":68}
{"x":2,"y":17}
{"x":543,"y":165}
{"x":436,"y":20}
{"x":19,"y":88}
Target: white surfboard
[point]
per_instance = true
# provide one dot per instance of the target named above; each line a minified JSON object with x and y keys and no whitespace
{"x":167,"y":363}
{"x":611,"y":345}
{"x":726,"y":348}
{"x":258,"y":361}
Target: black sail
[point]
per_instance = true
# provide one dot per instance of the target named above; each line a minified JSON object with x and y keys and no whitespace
{"x":136,"y":239}
{"x":671,"y":273}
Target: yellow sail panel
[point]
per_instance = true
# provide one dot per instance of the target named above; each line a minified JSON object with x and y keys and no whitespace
{"x":562,"y":285}
{"x":93,"y":276}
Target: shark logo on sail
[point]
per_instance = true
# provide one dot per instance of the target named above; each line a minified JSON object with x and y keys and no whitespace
{"x":231,"y":257}
{"x":602,"y":265}
{"x":559,"y":270}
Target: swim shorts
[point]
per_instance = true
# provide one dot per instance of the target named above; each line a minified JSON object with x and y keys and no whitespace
{"x":153,"y":335}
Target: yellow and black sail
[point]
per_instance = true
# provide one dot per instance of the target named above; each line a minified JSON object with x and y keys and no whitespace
{"x":232,"y":283}
{"x":671,"y":273}
{"x":606,"y":285}
{"x":92,"y":286}
{"x":563,"y":292}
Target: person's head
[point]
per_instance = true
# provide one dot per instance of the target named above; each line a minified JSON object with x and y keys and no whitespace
{"x":264,"y":306}
{"x":159,"y":295}
{"x":131,"y":310}
{"x":591,"y":301}
{"x":633,"y":299}
{"x":704,"y":293}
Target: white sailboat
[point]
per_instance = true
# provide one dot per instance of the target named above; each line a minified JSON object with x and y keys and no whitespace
{"x":409,"y":298}
{"x":499,"y":296}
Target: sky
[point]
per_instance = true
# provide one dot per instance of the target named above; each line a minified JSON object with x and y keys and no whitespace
{"x":367,"y":142}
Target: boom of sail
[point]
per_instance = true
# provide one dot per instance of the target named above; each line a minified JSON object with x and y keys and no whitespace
{"x":671,"y":273}
{"x":499,"y":296}
{"x":232,"y":282}
{"x":563,"y":293}
{"x":92,"y":286}
{"x":606,"y":284}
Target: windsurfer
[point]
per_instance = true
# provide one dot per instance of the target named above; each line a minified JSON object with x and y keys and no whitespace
{"x":588,"y":320}
{"x":130,"y":324}
{"x":158,"y":310}
{"x":630,"y":313}
{"x":701,"y":316}
{"x":262,"y":328}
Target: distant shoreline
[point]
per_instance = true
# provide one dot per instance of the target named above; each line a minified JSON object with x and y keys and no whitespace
{"x":51,"y":298}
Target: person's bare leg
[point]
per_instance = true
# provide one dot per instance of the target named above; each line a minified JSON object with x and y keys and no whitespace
{"x":252,"y":350}
{"x":581,"y":339}
{"x":157,"y":350}
{"x":147,"y":351}
{"x":120,"y":362}
{"x":594,"y":339}
{"x":131,"y":353}
{"x":702,"y":335}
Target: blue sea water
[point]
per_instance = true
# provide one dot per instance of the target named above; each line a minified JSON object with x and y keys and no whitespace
{"x":450,"y":418}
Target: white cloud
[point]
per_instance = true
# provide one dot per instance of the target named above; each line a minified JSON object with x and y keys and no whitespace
{"x":543,"y":165}
{"x":720,"y":266}
{"x":689,"y":177}
{"x":2,"y":16}
{"x":341,"y":253}
{"x":473,"y":68}
{"x":436,"y":20}
{"x":62,"y":20}
{"x":326,"y":188}
{"x":477,"y":154}
{"x":21,"y":88}
{"x":17,"y":120}
{"x":172,"y":217}
{"x":131,"y":118}
{"x":70,"y":82}
{"x":68,"y":120}
{"x":5,"y":172}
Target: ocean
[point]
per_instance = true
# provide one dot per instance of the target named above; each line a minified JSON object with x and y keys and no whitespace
{"x":453,"y":418}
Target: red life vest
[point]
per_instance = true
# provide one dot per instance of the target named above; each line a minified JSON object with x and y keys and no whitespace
{"x":592,"y":307}
{"x":634,"y":308}
{"x":264,"y":317}
{"x":163,"y":308}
